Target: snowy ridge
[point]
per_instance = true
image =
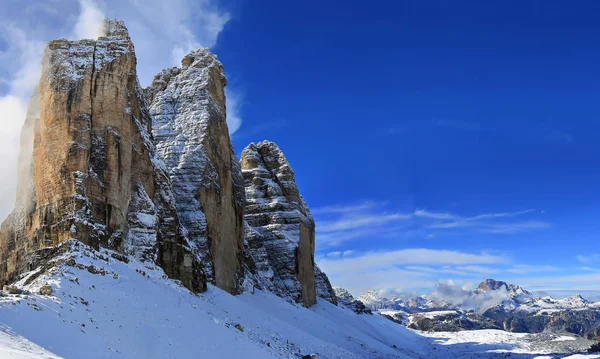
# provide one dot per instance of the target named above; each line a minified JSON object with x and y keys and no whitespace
{"x":98,"y":304}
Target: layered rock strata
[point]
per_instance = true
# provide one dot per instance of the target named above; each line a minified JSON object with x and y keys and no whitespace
{"x":281,"y":230}
{"x":191,"y":134}
{"x":94,"y":172}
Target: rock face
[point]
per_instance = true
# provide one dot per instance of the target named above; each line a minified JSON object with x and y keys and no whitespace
{"x":514,"y":291}
{"x":95,"y":173}
{"x":346,"y":299}
{"x":450,"y":321}
{"x":281,"y":230}
{"x":323,"y":285}
{"x":152,"y":174}
{"x":190,"y":130}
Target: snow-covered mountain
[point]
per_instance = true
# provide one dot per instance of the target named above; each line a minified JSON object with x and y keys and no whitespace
{"x":493,"y":304}
{"x":87,"y":304}
{"x":408,"y":302}
{"x":345,"y":299}
{"x":508,"y":297}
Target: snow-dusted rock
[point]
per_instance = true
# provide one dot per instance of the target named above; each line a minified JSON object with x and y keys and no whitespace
{"x":450,"y":321}
{"x":281,"y":230}
{"x":515,"y":292}
{"x":190,"y":130}
{"x":407,"y":302}
{"x":94,"y":169}
{"x":346,"y":299}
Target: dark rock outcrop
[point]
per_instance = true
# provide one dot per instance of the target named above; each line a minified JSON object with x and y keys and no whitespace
{"x":95,"y":175}
{"x":190,"y":129}
{"x":344,"y":298}
{"x":450,"y":321}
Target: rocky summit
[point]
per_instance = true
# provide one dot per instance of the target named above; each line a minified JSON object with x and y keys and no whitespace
{"x":280,"y":230}
{"x":190,"y":129}
{"x":95,"y":173}
{"x":152,"y":174}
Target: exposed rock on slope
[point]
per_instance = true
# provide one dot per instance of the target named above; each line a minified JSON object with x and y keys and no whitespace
{"x":346,"y":299}
{"x":323,"y":285}
{"x":407,"y":302}
{"x":190,"y":130}
{"x":96,"y":176}
{"x":450,"y":321}
{"x":281,"y":231}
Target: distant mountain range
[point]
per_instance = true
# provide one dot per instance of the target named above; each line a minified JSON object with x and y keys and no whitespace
{"x":493,"y":304}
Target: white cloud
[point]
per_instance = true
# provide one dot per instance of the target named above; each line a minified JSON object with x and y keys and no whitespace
{"x":383,"y":269}
{"x":354,"y":222}
{"x":89,"y":22}
{"x":352,"y":208}
{"x":13,"y":106}
{"x":234,"y":120}
{"x":484,"y":223}
{"x":450,"y":292}
{"x":425,"y":269}
{"x":161,"y":31}
{"x":477,"y":269}
{"x":434,"y":215}
{"x":164,"y":31}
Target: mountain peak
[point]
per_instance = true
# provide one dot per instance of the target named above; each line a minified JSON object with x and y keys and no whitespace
{"x":115,"y":28}
{"x":491,"y":284}
{"x":201,"y":58}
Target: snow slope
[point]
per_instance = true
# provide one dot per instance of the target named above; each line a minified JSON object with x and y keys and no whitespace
{"x":104,"y":308}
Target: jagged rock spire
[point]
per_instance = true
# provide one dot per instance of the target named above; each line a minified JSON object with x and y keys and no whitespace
{"x":281,"y":231}
{"x":190,"y":129}
{"x":95,"y":173}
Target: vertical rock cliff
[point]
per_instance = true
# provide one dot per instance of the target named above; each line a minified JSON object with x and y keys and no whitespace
{"x":152,"y":174}
{"x":281,"y":230}
{"x":190,"y":129}
{"x":91,"y":171}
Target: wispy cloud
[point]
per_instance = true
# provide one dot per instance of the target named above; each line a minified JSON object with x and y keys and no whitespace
{"x":418,"y":256}
{"x":89,"y":21}
{"x":484,"y":222}
{"x":355,"y":222}
{"x":589,"y":258}
{"x":406,"y":268}
{"x":350,"y":208}
{"x":343,"y":222}
{"x":451,"y":293}
{"x":234,"y":104}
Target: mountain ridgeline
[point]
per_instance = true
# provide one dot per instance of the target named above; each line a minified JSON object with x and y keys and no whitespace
{"x":492,"y":305}
{"x":151,"y":173}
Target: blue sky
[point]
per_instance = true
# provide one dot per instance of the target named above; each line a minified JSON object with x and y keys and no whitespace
{"x":434,"y":140}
